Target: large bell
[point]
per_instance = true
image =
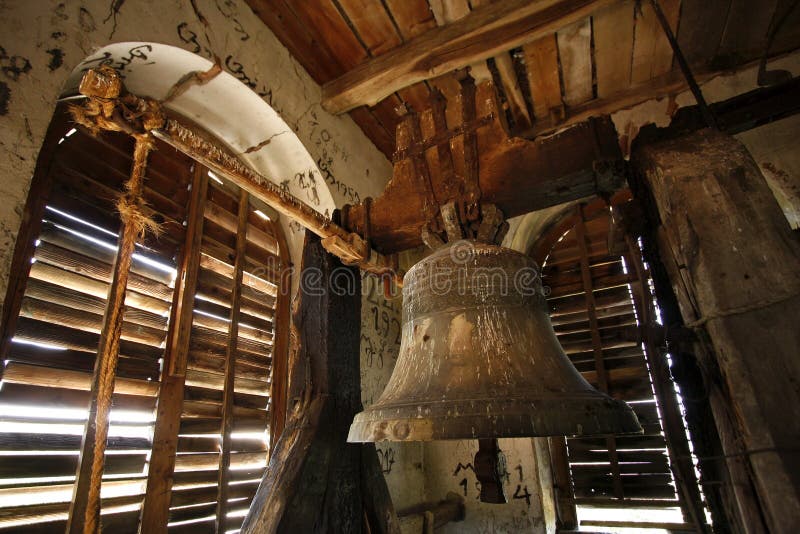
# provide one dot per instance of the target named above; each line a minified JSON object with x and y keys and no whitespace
{"x":479,"y":358}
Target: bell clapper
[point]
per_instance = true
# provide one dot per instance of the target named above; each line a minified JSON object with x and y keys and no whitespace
{"x":490,"y":464}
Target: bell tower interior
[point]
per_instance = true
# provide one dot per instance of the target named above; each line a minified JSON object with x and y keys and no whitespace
{"x":399,"y":266}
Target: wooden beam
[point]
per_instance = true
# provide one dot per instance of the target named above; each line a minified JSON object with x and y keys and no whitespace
{"x":314,"y":478}
{"x":29,"y":230}
{"x":280,"y":341}
{"x":661,"y":86}
{"x":84,"y":513}
{"x":155,"y":509}
{"x":518,"y":176}
{"x":738,"y":286}
{"x":566,"y":513}
{"x":230,"y":363}
{"x":486,"y":32}
{"x":597,"y":343}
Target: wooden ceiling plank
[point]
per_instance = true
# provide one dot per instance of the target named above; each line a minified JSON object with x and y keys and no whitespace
{"x":372,"y":22}
{"x":652,"y":53}
{"x":484,"y":33}
{"x":377,"y":32}
{"x":511,"y":85}
{"x":332,"y":29}
{"x":413,"y":17}
{"x":385,"y":111}
{"x":541,"y":62}
{"x":745,"y":31}
{"x":575,"y":54}
{"x":449,"y":11}
{"x":373,"y":130}
{"x":613,"y":47}
{"x":701,"y":26}
{"x":297,"y":37}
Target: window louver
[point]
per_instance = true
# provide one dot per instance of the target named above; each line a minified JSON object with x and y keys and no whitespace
{"x":604,"y":342}
{"x":49,"y":360}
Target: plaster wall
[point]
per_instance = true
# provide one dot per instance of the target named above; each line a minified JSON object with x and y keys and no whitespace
{"x":527,"y":484}
{"x":774,"y":146}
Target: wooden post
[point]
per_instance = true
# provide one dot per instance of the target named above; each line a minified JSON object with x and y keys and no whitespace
{"x":316,"y":481}
{"x":155,"y":509}
{"x":230,"y":361}
{"x":84,"y":513}
{"x":597,"y":344}
{"x":280,"y":346}
{"x":29,"y":229}
{"x":737,"y":282}
{"x":567,"y":515}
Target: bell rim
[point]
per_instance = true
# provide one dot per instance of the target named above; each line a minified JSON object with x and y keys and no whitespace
{"x":588,"y":417}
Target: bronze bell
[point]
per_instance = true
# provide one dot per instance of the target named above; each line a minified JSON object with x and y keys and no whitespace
{"x":479,"y":358}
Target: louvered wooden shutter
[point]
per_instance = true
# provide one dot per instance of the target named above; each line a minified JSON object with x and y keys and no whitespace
{"x":48,"y":364}
{"x":195,"y":491}
{"x":622,"y":470}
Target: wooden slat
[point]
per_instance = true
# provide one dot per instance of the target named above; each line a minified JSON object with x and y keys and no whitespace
{"x":746,"y":28}
{"x":155,"y":509}
{"x":230,"y":363}
{"x":85,"y":321}
{"x":613,"y":47}
{"x":700,"y":30}
{"x":64,"y":465}
{"x":541,"y":61}
{"x":49,"y":396}
{"x":652,"y":53}
{"x":217,"y":381}
{"x":66,"y":296}
{"x":76,"y":360}
{"x":574,"y":52}
{"x":245,"y":400}
{"x":67,"y":252}
{"x":36,"y":375}
{"x":413,"y":17}
{"x":484,"y":33}
{"x":18,"y":441}
{"x":93,"y":287}
{"x":58,"y":336}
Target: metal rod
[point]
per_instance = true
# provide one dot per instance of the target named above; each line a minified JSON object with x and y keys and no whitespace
{"x":708,"y":116}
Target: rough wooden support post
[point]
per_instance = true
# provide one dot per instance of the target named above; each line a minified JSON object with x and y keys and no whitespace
{"x":674,"y":431}
{"x":84,"y":513}
{"x":738,"y":283}
{"x":597,"y":343}
{"x":316,"y":481}
{"x":155,"y":510}
{"x":565,"y":495}
{"x":230,"y":361}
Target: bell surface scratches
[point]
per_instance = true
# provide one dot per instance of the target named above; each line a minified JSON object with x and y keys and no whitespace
{"x":479,"y":358}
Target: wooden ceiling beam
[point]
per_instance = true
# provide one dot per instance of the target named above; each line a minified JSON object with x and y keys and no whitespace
{"x":486,"y":32}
